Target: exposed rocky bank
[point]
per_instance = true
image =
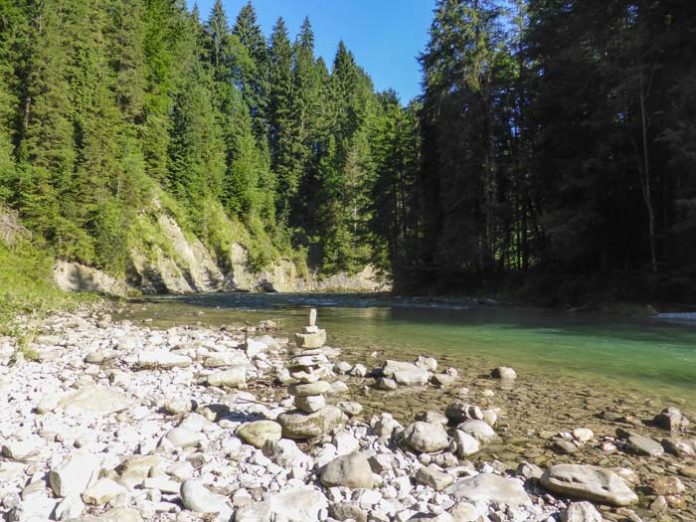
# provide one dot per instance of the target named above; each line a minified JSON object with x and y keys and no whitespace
{"x":115,"y":421}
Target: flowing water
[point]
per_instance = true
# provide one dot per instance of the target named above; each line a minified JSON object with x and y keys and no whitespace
{"x":650,"y":357}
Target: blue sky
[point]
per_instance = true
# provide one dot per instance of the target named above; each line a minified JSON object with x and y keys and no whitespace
{"x":385,"y":36}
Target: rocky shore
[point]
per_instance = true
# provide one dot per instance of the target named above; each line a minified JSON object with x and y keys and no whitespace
{"x":114,"y":421}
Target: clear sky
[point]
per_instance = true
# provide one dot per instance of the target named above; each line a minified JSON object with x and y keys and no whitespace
{"x":385,"y":36}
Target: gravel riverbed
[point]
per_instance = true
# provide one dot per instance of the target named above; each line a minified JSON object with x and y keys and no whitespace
{"x":117,"y":421}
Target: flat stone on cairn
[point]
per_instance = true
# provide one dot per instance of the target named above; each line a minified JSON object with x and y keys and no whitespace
{"x":309,"y":367}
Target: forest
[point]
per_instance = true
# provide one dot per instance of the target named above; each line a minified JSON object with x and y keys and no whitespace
{"x":552,"y":150}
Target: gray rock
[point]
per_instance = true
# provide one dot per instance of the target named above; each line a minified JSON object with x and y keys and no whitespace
{"x":96,"y":400}
{"x":307,"y":390}
{"x":286,"y":453}
{"x":390,"y":367}
{"x":310,"y":340}
{"x":432,"y":477}
{"x":162,"y":359}
{"x":644,"y":446}
{"x":222,"y":359}
{"x":588,"y":483}
{"x":669,"y":419}
{"x":478,"y":429}
{"x":300,"y":426}
{"x":70,"y":507}
{"x":581,"y":512}
{"x":232,"y":378}
{"x":347,"y":511}
{"x":433,"y":417}
{"x":351,"y":471}
{"x":183,"y":437}
{"x":310,"y":403}
{"x":297,"y":505}
{"x":426,"y":438}
{"x":257,"y":433}
{"x":386,"y":384}
{"x":459,"y":412}
{"x":102,"y":492}
{"x":196,"y":497}
{"x":427,"y":363}
{"x":350,"y":408}
{"x":487,"y":487}
{"x":466,"y":444}
{"x":564,"y":447}
{"x":505,"y":373}
{"x":75,"y":475}
{"x":416,"y":377}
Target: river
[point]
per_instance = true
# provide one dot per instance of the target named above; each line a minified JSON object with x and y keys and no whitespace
{"x":650,"y":357}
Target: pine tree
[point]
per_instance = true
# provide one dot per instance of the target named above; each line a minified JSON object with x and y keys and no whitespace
{"x":284,"y":132}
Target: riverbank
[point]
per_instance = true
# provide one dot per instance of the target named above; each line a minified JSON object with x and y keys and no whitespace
{"x":122,"y":421}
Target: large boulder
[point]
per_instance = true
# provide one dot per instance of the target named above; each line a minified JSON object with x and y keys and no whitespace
{"x":425,"y":437}
{"x":350,"y":471}
{"x":75,"y":475}
{"x":300,"y":426}
{"x":487,"y":487}
{"x":588,"y":483}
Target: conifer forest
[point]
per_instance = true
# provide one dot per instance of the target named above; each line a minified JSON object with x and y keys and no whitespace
{"x":553,"y":146}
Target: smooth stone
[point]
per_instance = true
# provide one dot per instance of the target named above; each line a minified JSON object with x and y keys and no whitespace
{"x":432,"y":417}
{"x":75,"y":475}
{"x":564,"y":447}
{"x":466,"y":444}
{"x":504,"y":373}
{"x":285,"y":452}
{"x":586,"y":482}
{"x":478,"y":429}
{"x":487,"y":487}
{"x":386,"y":384}
{"x":466,"y":512}
{"x":199,"y":499}
{"x":390,"y":367}
{"x":443,"y":379}
{"x":425,"y":437}
{"x":120,"y":515}
{"x":295,"y":505}
{"x":178,"y":406}
{"x":350,"y":408}
{"x":95,"y":400}
{"x":645,"y":446}
{"x":417,"y":377}
{"x":102,"y":492}
{"x":307,"y":390}
{"x":219,"y":360}
{"x":312,"y":319}
{"x":182,"y":437}
{"x":162,"y":359}
{"x":583,"y":435}
{"x":427,"y":363}
{"x":257,"y":433}
{"x":433,"y":477}
{"x":347,"y":511}
{"x":70,"y":507}
{"x":300,"y":426}
{"x":581,"y":512}
{"x":310,"y":340}
{"x":350,"y":471}
{"x":232,"y":378}
{"x":310,"y":403}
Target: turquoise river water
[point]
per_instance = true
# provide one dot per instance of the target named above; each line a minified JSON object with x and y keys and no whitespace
{"x":647,"y":355}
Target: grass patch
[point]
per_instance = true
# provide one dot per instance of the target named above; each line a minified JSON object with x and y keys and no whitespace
{"x":26,"y":288}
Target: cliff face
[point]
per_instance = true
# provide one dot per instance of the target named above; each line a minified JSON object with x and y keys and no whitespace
{"x":181,"y":264}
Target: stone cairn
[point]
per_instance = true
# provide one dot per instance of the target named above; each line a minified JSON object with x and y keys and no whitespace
{"x":311,"y":369}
